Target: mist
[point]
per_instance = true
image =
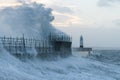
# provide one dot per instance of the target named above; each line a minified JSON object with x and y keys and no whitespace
{"x":31,"y":19}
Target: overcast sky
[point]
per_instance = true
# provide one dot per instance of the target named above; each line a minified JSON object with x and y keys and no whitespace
{"x":97,"y":20}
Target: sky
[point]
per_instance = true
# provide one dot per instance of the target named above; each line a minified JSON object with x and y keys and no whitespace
{"x":97,"y":20}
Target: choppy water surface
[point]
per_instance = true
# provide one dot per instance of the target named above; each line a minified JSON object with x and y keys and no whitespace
{"x":101,"y":65}
{"x":108,"y":56}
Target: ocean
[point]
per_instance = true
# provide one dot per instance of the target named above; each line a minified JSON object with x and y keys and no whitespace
{"x":100,"y":65}
{"x":107,"y":56}
{"x":34,"y":20}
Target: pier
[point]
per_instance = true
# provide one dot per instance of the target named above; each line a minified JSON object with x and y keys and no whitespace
{"x":54,"y":45}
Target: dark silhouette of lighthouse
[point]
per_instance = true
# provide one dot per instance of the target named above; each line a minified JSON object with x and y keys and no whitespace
{"x":81,"y":49}
{"x":81,"y":42}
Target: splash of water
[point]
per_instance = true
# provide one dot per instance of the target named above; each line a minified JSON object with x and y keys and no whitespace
{"x":34,"y":20}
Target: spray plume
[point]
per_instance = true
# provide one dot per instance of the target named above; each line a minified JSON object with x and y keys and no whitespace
{"x":33,"y":19}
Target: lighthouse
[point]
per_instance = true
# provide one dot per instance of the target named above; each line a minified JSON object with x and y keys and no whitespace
{"x":81,"y":50}
{"x":81,"y":42}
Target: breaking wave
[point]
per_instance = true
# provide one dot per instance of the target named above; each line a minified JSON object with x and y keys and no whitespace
{"x":33,"y":20}
{"x":72,"y":68}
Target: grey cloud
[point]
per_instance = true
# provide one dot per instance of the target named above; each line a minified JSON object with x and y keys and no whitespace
{"x":117,"y":22}
{"x":104,"y":3}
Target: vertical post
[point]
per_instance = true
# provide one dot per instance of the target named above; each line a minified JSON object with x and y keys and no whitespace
{"x":10,"y":45}
{"x":4,"y":41}
{"x":15,"y":47}
{"x":24,"y":47}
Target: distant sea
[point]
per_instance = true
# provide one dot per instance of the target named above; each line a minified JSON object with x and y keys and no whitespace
{"x":109,"y":55}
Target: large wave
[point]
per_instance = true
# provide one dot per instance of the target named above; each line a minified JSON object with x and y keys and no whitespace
{"x":72,"y":68}
{"x":33,"y":20}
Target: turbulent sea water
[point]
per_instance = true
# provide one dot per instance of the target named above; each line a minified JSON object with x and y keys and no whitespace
{"x":101,"y":65}
{"x":107,"y":56}
{"x":34,"y":20}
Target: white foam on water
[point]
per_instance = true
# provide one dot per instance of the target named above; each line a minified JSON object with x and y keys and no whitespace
{"x":72,"y":68}
{"x":34,"y":21}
